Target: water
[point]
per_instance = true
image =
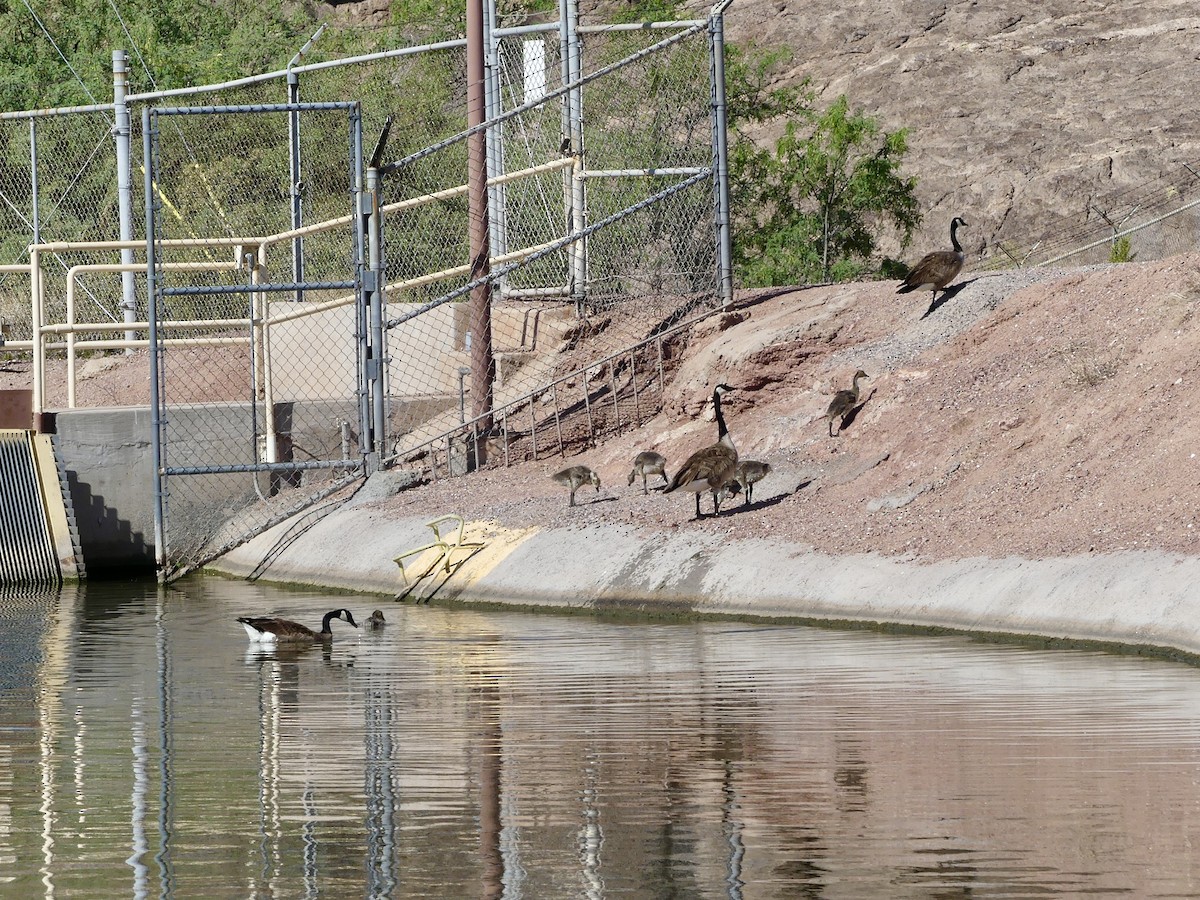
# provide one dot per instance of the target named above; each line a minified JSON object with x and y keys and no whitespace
{"x":146,"y":751}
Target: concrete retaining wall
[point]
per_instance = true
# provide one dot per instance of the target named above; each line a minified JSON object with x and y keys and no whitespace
{"x":1130,"y":599}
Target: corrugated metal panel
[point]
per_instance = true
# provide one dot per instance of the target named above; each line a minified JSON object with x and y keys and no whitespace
{"x":27,"y":552}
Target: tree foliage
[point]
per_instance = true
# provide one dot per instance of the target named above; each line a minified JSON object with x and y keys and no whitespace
{"x":810,"y":206}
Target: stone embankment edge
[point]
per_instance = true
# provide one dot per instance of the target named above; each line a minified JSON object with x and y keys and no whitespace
{"x":1135,"y":601}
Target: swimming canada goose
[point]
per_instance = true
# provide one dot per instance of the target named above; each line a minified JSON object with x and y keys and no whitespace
{"x":747,"y":474}
{"x":649,"y":463}
{"x":936,"y":269}
{"x":376,"y":620}
{"x":268,"y":630}
{"x":576,"y":477}
{"x":843,"y":402}
{"x":709,"y":468}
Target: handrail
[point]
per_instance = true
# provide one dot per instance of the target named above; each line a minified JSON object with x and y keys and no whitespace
{"x":502,"y":410}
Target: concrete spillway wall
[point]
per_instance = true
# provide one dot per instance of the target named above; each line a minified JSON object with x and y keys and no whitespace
{"x":1143,"y":600}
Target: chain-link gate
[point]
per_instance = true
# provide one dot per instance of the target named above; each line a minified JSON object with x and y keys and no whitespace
{"x":259,"y":344}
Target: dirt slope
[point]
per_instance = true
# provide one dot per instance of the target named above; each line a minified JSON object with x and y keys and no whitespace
{"x":1035,"y":414}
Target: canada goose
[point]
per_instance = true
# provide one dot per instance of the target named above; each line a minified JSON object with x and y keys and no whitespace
{"x":376,"y":620}
{"x":649,"y":463}
{"x":710,"y":467}
{"x":843,"y":402}
{"x":576,"y":477}
{"x":747,"y":474}
{"x":936,"y":269}
{"x":268,"y":630}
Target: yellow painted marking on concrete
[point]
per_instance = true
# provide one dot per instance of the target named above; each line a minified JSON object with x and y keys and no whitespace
{"x":499,"y":543}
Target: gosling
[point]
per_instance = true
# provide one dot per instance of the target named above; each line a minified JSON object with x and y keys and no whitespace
{"x":748,"y":473}
{"x":843,"y":402}
{"x":576,"y":477}
{"x":649,"y":463}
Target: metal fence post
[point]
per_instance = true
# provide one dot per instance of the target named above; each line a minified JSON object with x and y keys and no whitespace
{"x":483,"y":364}
{"x":716,"y":31}
{"x":121,"y":135}
{"x":152,"y":288}
{"x":494,"y":104}
{"x":375,"y":338}
{"x":294,"y":184}
{"x":578,"y":190}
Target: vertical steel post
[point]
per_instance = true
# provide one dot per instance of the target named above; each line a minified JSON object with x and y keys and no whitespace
{"x":296,"y":185}
{"x":375,"y":348}
{"x":716,"y":32}
{"x":121,"y":136}
{"x":494,"y":100}
{"x":152,"y":288}
{"x":362,"y":208}
{"x":578,"y":190}
{"x":35,"y":282}
{"x":483,"y":364}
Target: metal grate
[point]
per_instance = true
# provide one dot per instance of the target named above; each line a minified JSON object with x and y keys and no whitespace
{"x":27,"y":553}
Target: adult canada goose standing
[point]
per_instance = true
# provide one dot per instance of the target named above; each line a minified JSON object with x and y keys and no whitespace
{"x":843,"y":402}
{"x":748,"y":473}
{"x":268,"y":630}
{"x":649,"y":463}
{"x":936,"y":269}
{"x":576,"y":477}
{"x":709,"y":468}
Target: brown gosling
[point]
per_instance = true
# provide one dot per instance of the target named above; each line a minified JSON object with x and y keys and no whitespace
{"x":748,"y":473}
{"x":376,"y":620}
{"x":576,"y":477}
{"x":937,"y":269}
{"x":843,"y":402}
{"x":270,"y":631}
{"x":711,"y":467}
{"x":649,"y":463}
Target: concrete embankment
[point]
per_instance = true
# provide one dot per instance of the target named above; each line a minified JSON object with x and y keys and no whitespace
{"x":1143,"y":601}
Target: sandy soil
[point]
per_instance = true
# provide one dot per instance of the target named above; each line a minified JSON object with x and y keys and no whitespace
{"x":1034,"y":414}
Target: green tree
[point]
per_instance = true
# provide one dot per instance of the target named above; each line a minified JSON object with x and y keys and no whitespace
{"x":810,"y":206}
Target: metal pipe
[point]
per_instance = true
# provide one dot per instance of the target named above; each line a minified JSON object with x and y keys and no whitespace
{"x":716,"y":31}
{"x":294,"y":183}
{"x":494,"y":100}
{"x":376,"y":347}
{"x":39,"y":351}
{"x":262,"y":347}
{"x":612,"y":375}
{"x":558,"y":421}
{"x":642,"y":173}
{"x":121,"y":132}
{"x":131,"y":326}
{"x":148,"y":144}
{"x":578,"y":185}
{"x":533,"y":426}
{"x":637,"y":406}
{"x":483,"y":364}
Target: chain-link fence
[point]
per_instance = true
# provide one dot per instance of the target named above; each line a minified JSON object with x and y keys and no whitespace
{"x":601,"y":226}
{"x":1150,"y":221}
{"x":603,"y":245}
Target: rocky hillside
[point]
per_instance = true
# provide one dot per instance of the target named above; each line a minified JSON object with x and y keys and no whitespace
{"x":1035,"y":414}
{"x":1019,"y":112}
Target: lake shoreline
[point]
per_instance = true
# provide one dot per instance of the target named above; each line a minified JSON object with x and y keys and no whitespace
{"x":1132,"y":601}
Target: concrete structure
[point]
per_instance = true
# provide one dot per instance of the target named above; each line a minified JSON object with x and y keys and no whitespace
{"x":1137,"y":600}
